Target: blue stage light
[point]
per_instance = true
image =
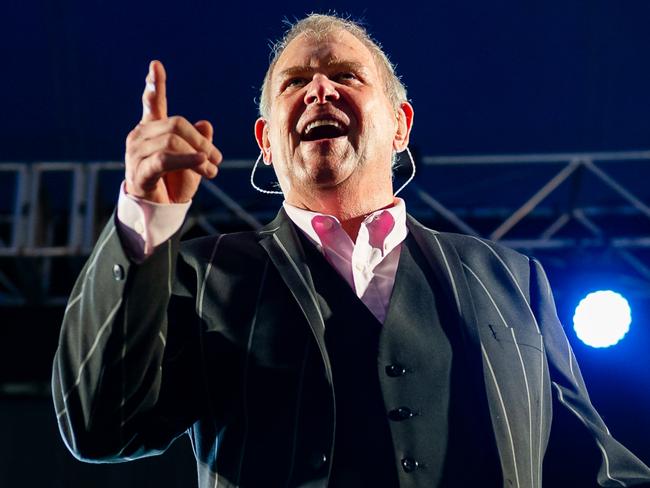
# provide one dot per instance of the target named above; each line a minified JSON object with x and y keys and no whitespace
{"x":602,"y":318}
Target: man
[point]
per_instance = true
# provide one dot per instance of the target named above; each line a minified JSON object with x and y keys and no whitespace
{"x":343,"y":344}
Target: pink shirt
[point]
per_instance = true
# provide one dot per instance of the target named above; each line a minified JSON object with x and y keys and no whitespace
{"x":368,"y":265}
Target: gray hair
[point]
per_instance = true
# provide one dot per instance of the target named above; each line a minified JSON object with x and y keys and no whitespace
{"x":320,"y":26}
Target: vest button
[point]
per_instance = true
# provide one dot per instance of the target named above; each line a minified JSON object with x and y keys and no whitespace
{"x":318,"y":460}
{"x":395,"y":370}
{"x":409,"y":464}
{"x":401,"y":413}
{"x":118,"y":272}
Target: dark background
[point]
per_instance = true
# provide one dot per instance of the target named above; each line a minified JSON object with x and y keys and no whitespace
{"x":484,"y":77}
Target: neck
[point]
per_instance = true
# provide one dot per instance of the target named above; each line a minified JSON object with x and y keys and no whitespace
{"x":350,"y":210}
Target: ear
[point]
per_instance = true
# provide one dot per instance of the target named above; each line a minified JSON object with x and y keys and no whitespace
{"x":404,"y":125}
{"x":262,"y":138}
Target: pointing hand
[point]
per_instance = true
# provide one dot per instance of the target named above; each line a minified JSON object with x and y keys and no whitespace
{"x":167,"y":156}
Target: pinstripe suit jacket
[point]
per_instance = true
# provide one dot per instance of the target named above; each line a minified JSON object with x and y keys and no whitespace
{"x":217,"y":338}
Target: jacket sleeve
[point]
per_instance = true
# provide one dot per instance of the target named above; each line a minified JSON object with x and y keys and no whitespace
{"x":619,"y":467}
{"x":125,"y":385}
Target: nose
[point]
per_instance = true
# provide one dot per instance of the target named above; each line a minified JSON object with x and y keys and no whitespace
{"x":320,"y":90}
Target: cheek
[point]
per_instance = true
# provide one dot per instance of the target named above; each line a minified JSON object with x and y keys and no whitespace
{"x":377,"y":113}
{"x":379,"y":123}
{"x":278,"y":136}
{"x":283,"y":130}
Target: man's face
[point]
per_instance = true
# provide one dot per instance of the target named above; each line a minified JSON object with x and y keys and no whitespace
{"x":330,"y":122}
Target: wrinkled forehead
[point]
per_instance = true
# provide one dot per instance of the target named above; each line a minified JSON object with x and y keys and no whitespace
{"x":310,"y":50}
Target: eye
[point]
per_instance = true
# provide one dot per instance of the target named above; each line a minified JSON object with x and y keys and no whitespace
{"x":294,"y":82}
{"x":345,"y":76}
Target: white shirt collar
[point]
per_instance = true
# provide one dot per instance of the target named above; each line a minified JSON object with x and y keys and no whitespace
{"x":304,"y":220}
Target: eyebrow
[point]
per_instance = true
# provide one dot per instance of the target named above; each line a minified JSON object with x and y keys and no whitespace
{"x":333,"y":65}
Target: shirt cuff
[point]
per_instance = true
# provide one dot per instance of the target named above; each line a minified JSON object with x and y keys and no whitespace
{"x":144,"y":225}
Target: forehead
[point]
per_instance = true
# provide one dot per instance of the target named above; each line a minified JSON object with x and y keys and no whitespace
{"x":339,"y":46}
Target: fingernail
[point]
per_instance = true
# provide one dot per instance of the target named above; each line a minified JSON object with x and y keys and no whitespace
{"x":150,"y":86}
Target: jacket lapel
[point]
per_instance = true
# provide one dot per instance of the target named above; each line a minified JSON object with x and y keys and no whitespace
{"x":447,"y":268}
{"x":282,"y":244}
{"x":446,"y":265}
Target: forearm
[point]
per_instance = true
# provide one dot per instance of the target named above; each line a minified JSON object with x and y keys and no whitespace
{"x":107,"y":369}
{"x":619,"y":466}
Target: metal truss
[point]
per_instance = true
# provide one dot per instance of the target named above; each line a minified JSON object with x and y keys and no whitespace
{"x":570,"y":164}
{"x":558,"y":205}
{"x":582,"y":208}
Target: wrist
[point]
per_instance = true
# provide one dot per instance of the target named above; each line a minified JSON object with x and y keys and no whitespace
{"x":154,"y":196}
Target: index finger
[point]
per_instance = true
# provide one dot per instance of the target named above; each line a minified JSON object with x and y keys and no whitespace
{"x":154,"y":97}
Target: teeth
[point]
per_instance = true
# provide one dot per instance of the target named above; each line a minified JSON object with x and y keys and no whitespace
{"x":319,"y":123}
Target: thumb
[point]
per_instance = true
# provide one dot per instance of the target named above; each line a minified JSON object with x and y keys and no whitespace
{"x":205,"y":128}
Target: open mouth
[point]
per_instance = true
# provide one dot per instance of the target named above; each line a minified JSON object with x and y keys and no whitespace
{"x":323,"y":129}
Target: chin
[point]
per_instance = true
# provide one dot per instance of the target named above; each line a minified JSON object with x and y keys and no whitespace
{"x":334,"y":161}
{"x":328,"y":172}
{"x":325,"y":179}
